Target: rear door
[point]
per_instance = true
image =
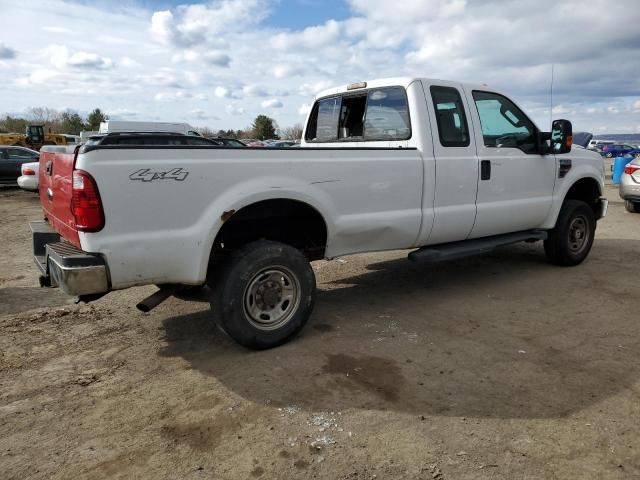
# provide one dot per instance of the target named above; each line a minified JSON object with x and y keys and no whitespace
{"x":456,"y":172}
{"x":515,"y":187}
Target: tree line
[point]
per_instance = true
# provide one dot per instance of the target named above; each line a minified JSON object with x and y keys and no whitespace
{"x":70,"y":122}
{"x":54,"y":121}
{"x":262,"y":128}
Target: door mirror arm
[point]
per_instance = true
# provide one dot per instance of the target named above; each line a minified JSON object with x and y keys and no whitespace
{"x":544,"y":146}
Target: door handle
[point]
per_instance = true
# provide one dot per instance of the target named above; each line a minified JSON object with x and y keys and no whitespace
{"x":485,"y":169}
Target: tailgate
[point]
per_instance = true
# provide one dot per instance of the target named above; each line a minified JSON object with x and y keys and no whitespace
{"x":55,"y":182}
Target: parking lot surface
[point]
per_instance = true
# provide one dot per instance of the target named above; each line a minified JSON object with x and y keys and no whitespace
{"x":499,"y":366}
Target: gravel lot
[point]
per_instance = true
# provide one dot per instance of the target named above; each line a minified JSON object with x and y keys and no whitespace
{"x":495,"y":367}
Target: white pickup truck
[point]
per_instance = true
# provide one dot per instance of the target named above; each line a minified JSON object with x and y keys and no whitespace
{"x":441,"y":168}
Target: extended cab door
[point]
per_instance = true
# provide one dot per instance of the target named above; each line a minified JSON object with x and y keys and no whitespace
{"x":456,"y":171}
{"x":515,"y":185}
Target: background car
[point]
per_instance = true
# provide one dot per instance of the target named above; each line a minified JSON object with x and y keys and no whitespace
{"x":597,"y":144}
{"x":29,"y":178}
{"x":619,"y":149}
{"x":630,"y":186}
{"x":281,"y":144}
{"x":228,"y":142}
{"x":11,"y":160}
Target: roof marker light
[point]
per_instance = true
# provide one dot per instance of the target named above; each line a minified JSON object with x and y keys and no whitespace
{"x":355,"y":86}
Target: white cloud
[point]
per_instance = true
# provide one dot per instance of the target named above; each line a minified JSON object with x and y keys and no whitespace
{"x":310,"y":37}
{"x":412,"y":10}
{"x":123,"y":113}
{"x":272,"y":103}
{"x":304,"y":109}
{"x":636,"y":108}
{"x":38,"y":77}
{"x":217,"y":58}
{"x":129,"y":62}
{"x":200,"y":114}
{"x":161,"y":26}
{"x":312,"y":89}
{"x":255,"y":91}
{"x":287,"y":71}
{"x":234,"y":110}
{"x":186,"y":56}
{"x":60,"y":57}
{"x":222,"y":92}
{"x":171,"y":96}
{"x":198,"y":24}
{"x":159,"y":79}
{"x":560,"y":110}
{"x":89,"y":60}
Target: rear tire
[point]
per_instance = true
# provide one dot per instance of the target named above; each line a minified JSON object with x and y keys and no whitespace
{"x":263,"y":295}
{"x":633,"y":207}
{"x":570,"y":242}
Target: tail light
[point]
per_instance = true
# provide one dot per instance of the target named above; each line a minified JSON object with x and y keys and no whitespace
{"x":28,"y":171}
{"x":86,"y":206}
{"x":630,"y":169}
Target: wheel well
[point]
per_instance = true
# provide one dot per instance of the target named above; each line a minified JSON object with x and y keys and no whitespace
{"x":283,"y":220}
{"x":587,"y":190}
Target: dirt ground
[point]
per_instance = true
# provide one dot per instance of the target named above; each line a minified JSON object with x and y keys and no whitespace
{"x":495,"y":367}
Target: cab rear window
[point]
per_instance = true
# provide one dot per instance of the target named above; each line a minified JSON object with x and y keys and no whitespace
{"x":376,"y":114}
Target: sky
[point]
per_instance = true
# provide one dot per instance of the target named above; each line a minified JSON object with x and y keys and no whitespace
{"x":220,"y":63}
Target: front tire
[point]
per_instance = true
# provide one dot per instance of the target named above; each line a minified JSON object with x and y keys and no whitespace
{"x":263,"y":295}
{"x":570,"y":242}
{"x":633,"y":207}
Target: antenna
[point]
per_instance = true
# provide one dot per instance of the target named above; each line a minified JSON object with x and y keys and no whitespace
{"x":551,"y":98}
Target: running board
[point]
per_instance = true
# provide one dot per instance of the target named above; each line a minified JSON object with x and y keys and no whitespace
{"x":466,"y":248}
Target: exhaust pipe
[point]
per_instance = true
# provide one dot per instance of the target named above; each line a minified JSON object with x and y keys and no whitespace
{"x":152,"y":301}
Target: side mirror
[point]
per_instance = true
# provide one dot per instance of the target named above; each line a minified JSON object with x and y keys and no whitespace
{"x":561,"y":136}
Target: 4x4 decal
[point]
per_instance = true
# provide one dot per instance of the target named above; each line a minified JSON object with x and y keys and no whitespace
{"x":146,"y":175}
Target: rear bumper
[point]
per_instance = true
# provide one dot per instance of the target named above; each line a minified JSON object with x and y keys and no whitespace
{"x":28,"y":182}
{"x":63,"y":265}
{"x":629,"y":190}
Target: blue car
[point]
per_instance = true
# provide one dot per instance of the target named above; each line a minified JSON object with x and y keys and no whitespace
{"x":620,"y":149}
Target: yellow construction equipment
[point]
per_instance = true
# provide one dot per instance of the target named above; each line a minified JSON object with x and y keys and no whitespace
{"x":34,"y":137}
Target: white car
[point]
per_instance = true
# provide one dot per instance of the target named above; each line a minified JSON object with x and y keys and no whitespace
{"x":28,"y":179}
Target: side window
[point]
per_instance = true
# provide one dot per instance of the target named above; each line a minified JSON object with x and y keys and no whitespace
{"x":20,"y":154}
{"x":452,"y":121}
{"x":504,"y":124}
{"x":387,"y":115}
{"x":377,"y":114}
{"x":323,"y":123}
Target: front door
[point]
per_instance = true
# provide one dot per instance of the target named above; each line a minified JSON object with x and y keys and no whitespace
{"x":515,"y":185}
